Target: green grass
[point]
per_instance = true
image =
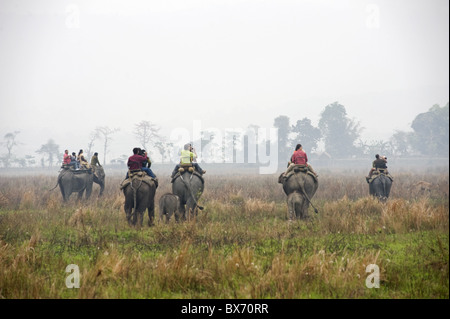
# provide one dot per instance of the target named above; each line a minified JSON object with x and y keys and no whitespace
{"x":240,"y":246}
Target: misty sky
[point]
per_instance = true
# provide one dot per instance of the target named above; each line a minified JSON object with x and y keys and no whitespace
{"x":69,"y":66}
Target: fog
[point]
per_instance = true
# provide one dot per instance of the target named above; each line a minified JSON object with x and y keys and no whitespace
{"x":68,"y":67}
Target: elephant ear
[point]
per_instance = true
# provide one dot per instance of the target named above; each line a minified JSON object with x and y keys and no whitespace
{"x":99,"y":172}
{"x":280,"y":178}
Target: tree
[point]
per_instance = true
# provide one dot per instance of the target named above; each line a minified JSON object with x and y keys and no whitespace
{"x":163,"y":149}
{"x":251,"y":140}
{"x":92,"y":137}
{"x":431,"y":131}
{"x":105,"y":133}
{"x":400,"y":143}
{"x":146,"y":132}
{"x":122,"y":159}
{"x":284,"y":144}
{"x":10,"y":142}
{"x":232,"y":143}
{"x":339,"y":132}
{"x":374,"y":147}
{"x":49,"y":150}
{"x":306,"y":134}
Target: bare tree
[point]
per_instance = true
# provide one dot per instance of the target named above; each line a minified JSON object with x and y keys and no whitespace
{"x":105,"y":133}
{"x":164,"y":149}
{"x":92,"y":137}
{"x":10,"y":139}
{"x":147,"y":133}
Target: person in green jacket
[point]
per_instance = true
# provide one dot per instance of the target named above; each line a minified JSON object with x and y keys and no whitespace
{"x":95,"y":161}
{"x":187,"y":157}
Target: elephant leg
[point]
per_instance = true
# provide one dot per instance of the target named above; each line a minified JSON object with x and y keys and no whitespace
{"x":161,"y":214}
{"x":138,"y":216}
{"x":140,"y":219}
{"x":291,"y":209}
{"x":102,"y":188}
{"x":80,"y":194}
{"x":304,"y":210}
{"x":168,"y":217}
{"x":67,"y":190}
{"x":180,"y":214}
{"x":151,"y":213}
{"x":128,"y":211}
{"x":191,"y":209}
{"x":88,"y":190}
{"x":128,"y":207}
{"x":298,"y":210}
{"x":64,"y":193}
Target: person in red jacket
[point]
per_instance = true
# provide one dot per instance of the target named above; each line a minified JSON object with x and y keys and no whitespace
{"x":136,"y":161}
{"x":299,"y":158}
{"x":66,"y":159}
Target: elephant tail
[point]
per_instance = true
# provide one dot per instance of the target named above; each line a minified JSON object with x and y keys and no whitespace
{"x":301,"y":185}
{"x":188,"y":185}
{"x":57,"y":182}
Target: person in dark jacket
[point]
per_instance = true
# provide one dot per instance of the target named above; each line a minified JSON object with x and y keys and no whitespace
{"x":136,"y":163}
{"x":379,"y":162}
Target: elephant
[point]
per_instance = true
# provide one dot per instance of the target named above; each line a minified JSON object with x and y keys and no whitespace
{"x":380,"y":186}
{"x":188,"y":186}
{"x":299,"y":186}
{"x":80,"y":181}
{"x":168,"y":205}
{"x":139,"y":190}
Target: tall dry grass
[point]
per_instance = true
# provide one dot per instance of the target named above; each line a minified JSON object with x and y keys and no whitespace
{"x":241,"y":246}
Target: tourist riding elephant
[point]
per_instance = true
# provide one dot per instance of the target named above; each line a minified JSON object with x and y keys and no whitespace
{"x":188,"y":187}
{"x":300,"y":186}
{"x":380,"y":186}
{"x":139,"y":191}
{"x":80,"y":181}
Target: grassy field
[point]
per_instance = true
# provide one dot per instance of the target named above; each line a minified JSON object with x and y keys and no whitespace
{"x":241,"y":246}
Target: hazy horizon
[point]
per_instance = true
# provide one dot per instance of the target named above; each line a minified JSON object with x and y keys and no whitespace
{"x":71,"y":66}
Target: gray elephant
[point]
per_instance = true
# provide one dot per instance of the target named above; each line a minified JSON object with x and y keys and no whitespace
{"x":80,"y":181}
{"x":188,"y":186}
{"x":299,"y":185}
{"x":168,"y":205}
{"x":139,"y":190}
{"x":380,"y":186}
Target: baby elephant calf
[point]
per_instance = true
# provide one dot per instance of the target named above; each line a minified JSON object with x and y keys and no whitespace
{"x":168,"y":205}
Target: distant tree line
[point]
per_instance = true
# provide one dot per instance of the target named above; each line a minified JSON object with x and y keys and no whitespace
{"x":341,"y":136}
{"x":336,"y":134}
